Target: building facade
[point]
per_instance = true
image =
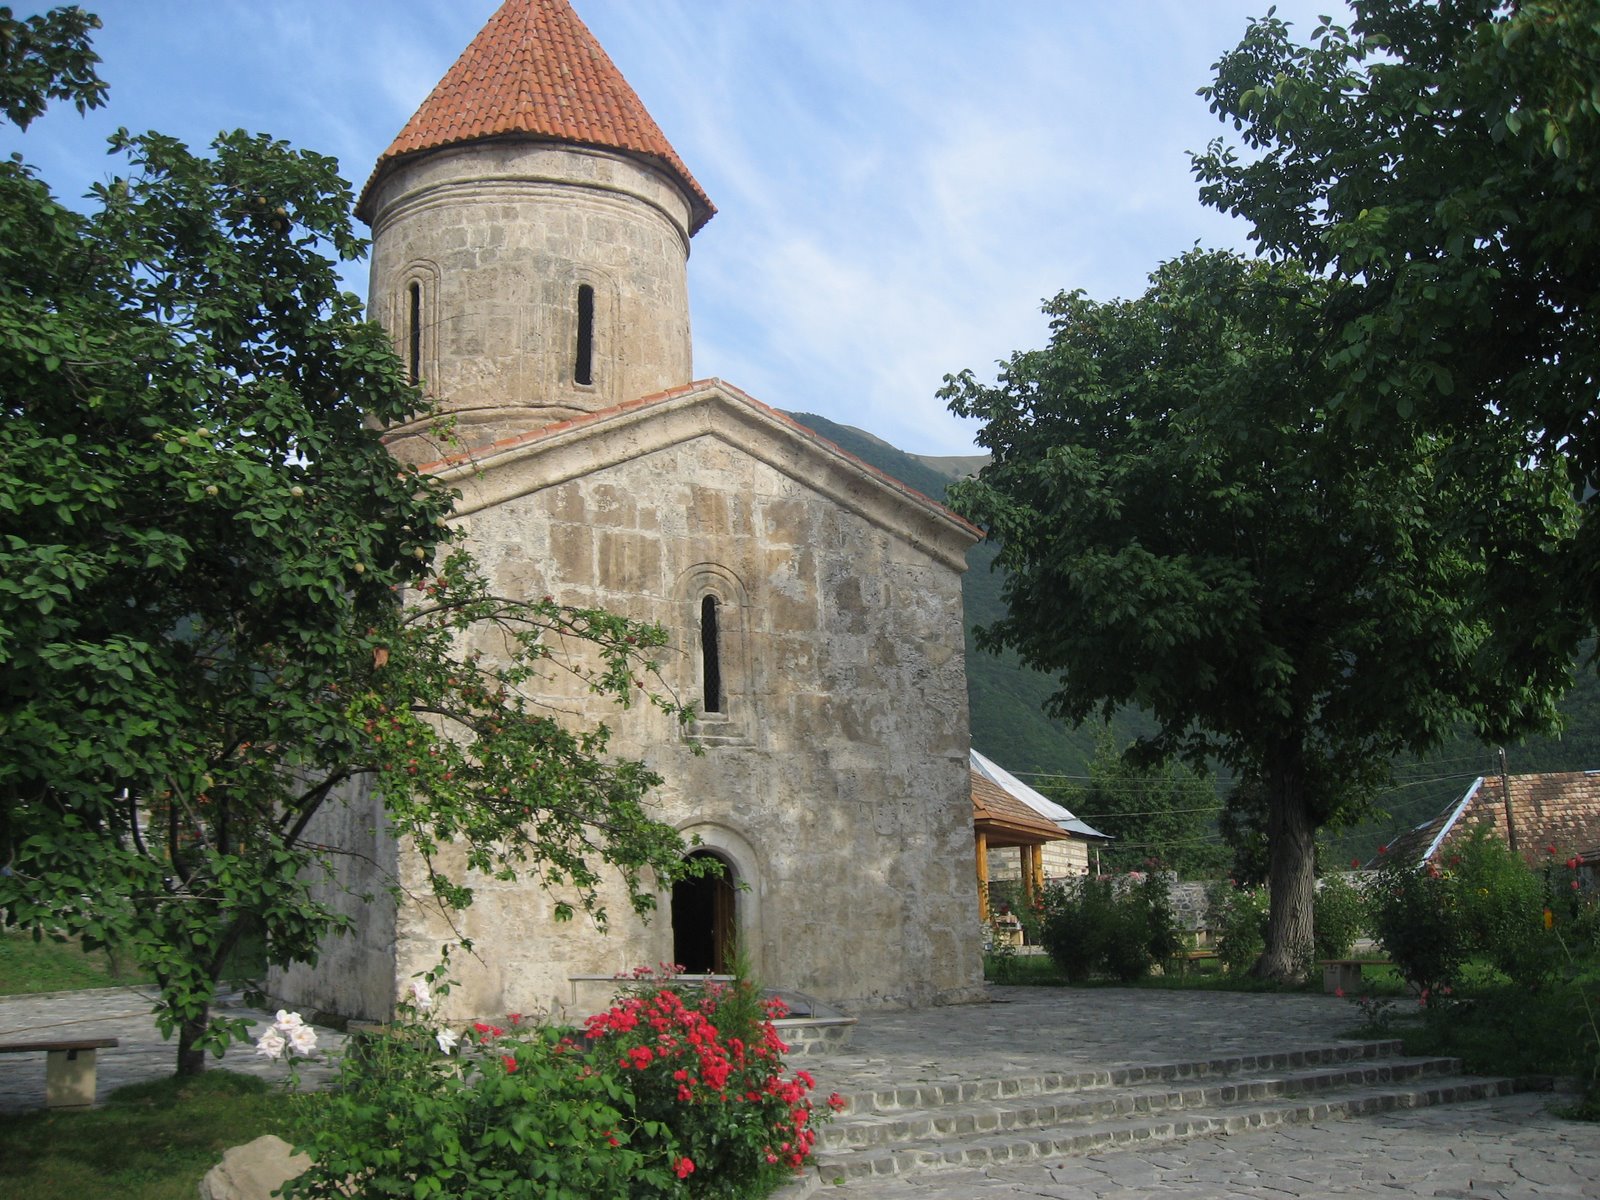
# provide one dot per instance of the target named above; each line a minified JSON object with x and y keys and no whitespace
{"x":531,"y":229}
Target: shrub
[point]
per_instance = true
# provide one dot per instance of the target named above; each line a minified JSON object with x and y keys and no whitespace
{"x":1121,"y":926}
{"x":707,"y":1085}
{"x":520,"y":1114}
{"x":1078,"y":925}
{"x":668,"y":1093}
{"x":1339,"y":916}
{"x":1417,"y":919}
{"x":1502,"y":902}
{"x":1239,"y":919}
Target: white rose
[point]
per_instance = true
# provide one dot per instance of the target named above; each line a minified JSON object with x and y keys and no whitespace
{"x":270,"y":1044}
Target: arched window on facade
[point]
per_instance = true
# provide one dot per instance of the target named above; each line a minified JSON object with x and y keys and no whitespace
{"x":583,"y":363}
{"x":414,"y":331}
{"x":710,"y":656}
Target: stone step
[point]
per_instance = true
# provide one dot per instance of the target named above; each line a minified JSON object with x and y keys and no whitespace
{"x":1050,"y":1109}
{"x":1088,"y":1136}
{"x":935,"y":1095}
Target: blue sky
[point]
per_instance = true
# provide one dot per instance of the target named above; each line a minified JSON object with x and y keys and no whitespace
{"x":900,"y":182}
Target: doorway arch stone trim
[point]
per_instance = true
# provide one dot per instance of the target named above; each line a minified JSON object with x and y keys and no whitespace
{"x":730,"y":844}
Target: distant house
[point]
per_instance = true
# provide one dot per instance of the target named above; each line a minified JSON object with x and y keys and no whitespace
{"x":1551,"y":810}
{"x":1050,"y":842}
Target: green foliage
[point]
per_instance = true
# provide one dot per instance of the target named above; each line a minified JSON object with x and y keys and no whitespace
{"x":150,"y":1141}
{"x":529,"y":1115}
{"x":1239,"y":920}
{"x":47,"y":58}
{"x":1186,"y":529}
{"x":667,"y":1093}
{"x":1417,"y":920}
{"x":1483,"y":904}
{"x":1119,"y":926}
{"x":47,"y":964}
{"x":1341,"y":915}
{"x":1239,"y":914}
{"x":1160,"y":815}
{"x":223,"y":604}
{"x":1441,"y":160}
{"x":1502,"y":906}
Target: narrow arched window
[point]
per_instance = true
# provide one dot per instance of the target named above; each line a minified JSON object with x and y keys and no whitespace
{"x":709,"y":657}
{"x":414,"y":334}
{"x":583,"y":366}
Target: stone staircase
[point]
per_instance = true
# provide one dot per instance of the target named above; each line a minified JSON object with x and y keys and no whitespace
{"x":925,"y":1127}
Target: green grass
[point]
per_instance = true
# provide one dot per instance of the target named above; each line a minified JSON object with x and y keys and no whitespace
{"x":27,"y":966}
{"x":1038,"y":970}
{"x":47,"y":965}
{"x":151,"y":1141}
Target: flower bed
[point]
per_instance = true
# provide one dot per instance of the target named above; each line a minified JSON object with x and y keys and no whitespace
{"x":670,"y":1092}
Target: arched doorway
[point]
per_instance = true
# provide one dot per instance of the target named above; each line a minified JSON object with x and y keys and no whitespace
{"x":703,"y":925}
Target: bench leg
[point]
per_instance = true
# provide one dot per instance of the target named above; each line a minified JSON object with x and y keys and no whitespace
{"x":69,"y":1079}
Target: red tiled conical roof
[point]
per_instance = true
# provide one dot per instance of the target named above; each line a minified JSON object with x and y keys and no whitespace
{"x":536,"y":70}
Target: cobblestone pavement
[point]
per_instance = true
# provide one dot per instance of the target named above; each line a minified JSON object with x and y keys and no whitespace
{"x":1509,"y":1148}
{"x":142,"y":1053}
{"x":1504,"y":1148}
{"x":1029,"y":1030}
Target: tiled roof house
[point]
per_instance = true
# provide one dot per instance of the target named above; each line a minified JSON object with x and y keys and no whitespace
{"x":1549,"y":810}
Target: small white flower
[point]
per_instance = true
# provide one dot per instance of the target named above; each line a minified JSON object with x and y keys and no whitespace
{"x":304,"y":1040}
{"x":420,"y":996}
{"x":287,"y":1021}
{"x":270,"y":1044}
{"x":447,"y":1040}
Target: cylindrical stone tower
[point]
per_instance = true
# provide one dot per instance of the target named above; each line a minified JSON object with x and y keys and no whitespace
{"x":530,"y":237}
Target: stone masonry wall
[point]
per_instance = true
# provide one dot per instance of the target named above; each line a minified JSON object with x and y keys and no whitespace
{"x":498,"y":237}
{"x":836,"y":782}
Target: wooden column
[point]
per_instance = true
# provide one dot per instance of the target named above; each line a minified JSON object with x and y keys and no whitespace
{"x":1038,"y":873}
{"x":983,"y":875}
{"x":1030,"y":855}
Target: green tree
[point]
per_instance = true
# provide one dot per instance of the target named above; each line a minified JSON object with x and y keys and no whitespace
{"x":219,"y":603}
{"x":1441,"y":158}
{"x":1185,"y":530}
{"x":1163,"y":814}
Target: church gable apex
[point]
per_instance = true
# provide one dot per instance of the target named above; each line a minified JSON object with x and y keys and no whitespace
{"x":494,"y":474}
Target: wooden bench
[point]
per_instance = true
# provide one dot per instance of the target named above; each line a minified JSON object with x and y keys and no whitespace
{"x":68,"y":1068}
{"x":1344,"y":974}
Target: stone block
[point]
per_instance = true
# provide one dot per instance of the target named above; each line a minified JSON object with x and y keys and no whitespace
{"x":254,"y":1171}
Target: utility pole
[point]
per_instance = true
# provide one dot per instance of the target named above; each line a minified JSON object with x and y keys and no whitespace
{"x":1505,"y":790}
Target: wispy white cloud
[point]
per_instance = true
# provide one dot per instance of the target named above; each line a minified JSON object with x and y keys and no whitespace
{"x":900,"y":181}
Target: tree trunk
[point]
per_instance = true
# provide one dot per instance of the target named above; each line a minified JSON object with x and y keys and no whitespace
{"x":191,"y":1057}
{"x":1291,"y":855}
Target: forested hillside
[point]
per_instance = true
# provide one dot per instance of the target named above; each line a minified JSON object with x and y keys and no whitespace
{"x":1007,"y":700}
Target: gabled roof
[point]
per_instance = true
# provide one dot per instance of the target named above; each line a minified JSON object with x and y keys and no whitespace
{"x":1558,"y":809}
{"x":1040,"y":804}
{"x":499,"y":471}
{"x":1006,"y":820}
{"x":536,"y":71}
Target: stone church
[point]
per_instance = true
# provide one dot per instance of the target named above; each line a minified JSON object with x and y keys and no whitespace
{"x":531,"y":228}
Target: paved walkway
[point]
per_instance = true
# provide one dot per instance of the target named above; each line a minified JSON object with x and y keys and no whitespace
{"x":1508,"y":1148}
{"x":142,"y":1053}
